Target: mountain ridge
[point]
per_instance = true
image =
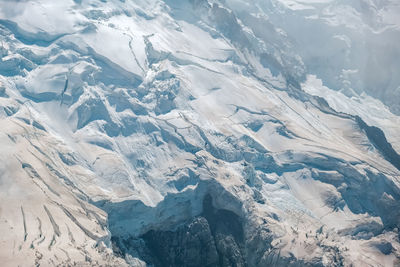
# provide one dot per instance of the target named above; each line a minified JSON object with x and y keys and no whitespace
{"x":130,"y":125}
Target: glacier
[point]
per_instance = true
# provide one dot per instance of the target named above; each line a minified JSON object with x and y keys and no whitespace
{"x":199,"y":133}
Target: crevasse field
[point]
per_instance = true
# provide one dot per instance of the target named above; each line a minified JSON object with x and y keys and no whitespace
{"x":199,"y":133}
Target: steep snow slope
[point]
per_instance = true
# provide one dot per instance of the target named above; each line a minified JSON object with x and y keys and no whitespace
{"x":172,"y":132}
{"x":351,"y":44}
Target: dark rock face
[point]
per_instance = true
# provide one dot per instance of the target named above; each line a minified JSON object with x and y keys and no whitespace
{"x":191,"y":245}
{"x":227,"y":230}
{"x":215,"y":238}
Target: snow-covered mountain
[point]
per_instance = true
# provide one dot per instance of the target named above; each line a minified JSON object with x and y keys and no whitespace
{"x":199,"y":133}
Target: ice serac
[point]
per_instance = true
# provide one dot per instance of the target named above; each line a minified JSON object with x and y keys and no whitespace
{"x":193,"y":133}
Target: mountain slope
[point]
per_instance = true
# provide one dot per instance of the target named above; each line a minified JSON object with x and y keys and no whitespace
{"x":181,"y":133}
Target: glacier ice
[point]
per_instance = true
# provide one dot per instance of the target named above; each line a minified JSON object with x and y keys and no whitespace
{"x":199,"y":133}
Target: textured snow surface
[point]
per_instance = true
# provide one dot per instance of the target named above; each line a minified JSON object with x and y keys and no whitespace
{"x":119,"y":117}
{"x":352,"y":45}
